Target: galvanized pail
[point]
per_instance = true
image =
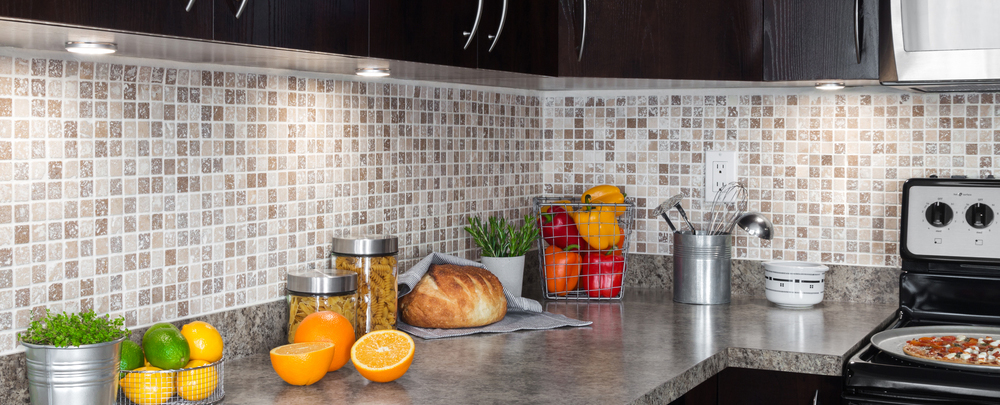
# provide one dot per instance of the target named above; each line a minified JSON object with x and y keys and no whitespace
{"x":702,"y":266}
{"x":85,"y":374}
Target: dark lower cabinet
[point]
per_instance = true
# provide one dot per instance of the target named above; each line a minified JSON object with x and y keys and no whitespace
{"x":820,"y":39}
{"x":159,"y":17}
{"x":740,"y":386}
{"x":329,"y":26}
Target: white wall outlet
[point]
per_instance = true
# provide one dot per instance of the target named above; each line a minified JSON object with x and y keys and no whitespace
{"x":720,"y":169}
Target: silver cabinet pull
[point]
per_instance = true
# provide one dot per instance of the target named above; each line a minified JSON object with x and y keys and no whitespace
{"x":475,"y":26}
{"x":503,"y":18}
{"x":583,"y":38}
{"x":189,"y":6}
{"x":857,"y":29}
{"x":239,"y":12}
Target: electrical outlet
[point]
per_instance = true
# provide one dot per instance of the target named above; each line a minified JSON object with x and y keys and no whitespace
{"x":720,"y":169}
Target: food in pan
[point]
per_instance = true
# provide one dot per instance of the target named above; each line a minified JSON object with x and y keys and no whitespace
{"x":983,"y":351}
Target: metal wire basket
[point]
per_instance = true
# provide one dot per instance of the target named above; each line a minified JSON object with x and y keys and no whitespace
{"x":197,"y":385}
{"x":602,"y":267}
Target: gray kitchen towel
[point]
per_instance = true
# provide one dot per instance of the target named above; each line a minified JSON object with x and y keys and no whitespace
{"x":522,"y":313}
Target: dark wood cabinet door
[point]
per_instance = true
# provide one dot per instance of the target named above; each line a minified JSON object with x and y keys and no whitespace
{"x":528,"y":39}
{"x":815,"y":39}
{"x":661,"y":39}
{"x":331,"y":26}
{"x":428,"y":31}
{"x":740,"y":386}
{"x":160,"y":17}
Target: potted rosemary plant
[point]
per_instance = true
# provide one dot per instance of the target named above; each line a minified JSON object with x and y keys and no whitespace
{"x":503,"y":247}
{"x":73,"y":358}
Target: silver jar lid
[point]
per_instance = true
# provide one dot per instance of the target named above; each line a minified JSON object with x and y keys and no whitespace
{"x":366,"y":246}
{"x":322,"y":281}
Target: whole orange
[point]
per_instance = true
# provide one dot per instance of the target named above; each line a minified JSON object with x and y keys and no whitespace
{"x":328,"y":326}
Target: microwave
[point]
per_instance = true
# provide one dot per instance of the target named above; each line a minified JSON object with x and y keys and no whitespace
{"x":940,"y":45}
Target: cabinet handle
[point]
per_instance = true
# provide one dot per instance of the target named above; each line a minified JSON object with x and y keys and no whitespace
{"x":475,"y":26}
{"x":857,"y":29}
{"x":239,"y":12}
{"x":583,"y":38}
{"x":189,"y":6}
{"x":503,"y":18}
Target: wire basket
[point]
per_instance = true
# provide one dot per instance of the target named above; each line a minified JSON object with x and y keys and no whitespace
{"x":602,"y":270}
{"x":196,"y":385}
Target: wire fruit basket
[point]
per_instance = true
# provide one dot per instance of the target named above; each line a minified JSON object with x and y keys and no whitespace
{"x":197,"y":385}
{"x":602,"y":234}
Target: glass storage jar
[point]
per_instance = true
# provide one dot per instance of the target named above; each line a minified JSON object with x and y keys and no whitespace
{"x":314,"y":290}
{"x":374,"y":260}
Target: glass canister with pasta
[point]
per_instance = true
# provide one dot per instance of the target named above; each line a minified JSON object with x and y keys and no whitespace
{"x":315,"y":290}
{"x":374,"y":260}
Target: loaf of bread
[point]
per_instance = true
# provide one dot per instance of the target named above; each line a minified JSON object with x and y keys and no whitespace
{"x":451,"y":296}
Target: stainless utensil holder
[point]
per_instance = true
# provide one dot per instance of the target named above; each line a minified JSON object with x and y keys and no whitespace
{"x":702,"y":267}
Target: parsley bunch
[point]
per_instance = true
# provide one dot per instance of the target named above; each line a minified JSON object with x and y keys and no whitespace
{"x":62,"y":330}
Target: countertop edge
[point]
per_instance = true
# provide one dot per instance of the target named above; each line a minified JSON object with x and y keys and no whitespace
{"x":680,"y":385}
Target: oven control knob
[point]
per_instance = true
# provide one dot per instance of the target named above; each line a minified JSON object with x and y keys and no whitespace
{"x":979,"y":215}
{"x":939,"y":214}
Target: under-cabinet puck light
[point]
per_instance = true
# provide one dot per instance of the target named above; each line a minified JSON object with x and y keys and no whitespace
{"x":830,"y":86}
{"x":92,"y":48}
{"x":372,"y":72}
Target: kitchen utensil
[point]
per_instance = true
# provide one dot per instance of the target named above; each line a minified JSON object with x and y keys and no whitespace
{"x":729,"y":203}
{"x":891,"y":341}
{"x":675,"y":202}
{"x":702,"y":268}
{"x":756,"y":224}
{"x":794,"y":284}
{"x":662,"y":211}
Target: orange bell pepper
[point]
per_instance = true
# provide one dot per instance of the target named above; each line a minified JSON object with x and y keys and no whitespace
{"x":598,"y":226}
{"x":562,"y":269}
{"x":605,"y":194}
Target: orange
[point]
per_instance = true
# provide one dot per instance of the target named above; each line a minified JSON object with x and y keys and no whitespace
{"x":328,"y":326}
{"x":203,"y":340}
{"x":383,"y":355}
{"x":302,"y":363}
{"x":196,"y":385}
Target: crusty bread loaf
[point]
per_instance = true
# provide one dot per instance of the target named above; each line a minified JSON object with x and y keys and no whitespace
{"x":451,"y":296}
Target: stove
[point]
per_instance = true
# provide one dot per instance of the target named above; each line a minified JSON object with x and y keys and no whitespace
{"x":950,"y":246}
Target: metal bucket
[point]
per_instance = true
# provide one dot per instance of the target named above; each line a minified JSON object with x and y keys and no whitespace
{"x":702,"y":267}
{"x":86,"y":374}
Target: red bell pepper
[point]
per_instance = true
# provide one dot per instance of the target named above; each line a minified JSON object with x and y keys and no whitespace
{"x":601,"y":275}
{"x":559,"y":230}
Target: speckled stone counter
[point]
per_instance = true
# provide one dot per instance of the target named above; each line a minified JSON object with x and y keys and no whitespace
{"x":644,"y":349}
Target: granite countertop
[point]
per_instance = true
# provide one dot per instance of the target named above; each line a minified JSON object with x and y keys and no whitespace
{"x":645,"y":348}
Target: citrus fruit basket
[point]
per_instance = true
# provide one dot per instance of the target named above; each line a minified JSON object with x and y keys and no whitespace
{"x":199,"y":383}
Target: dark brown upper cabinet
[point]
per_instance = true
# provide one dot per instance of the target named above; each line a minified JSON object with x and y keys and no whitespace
{"x":330,"y":26}
{"x":661,"y":39}
{"x":159,"y":17}
{"x":820,"y":39}
{"x":507,"y":35}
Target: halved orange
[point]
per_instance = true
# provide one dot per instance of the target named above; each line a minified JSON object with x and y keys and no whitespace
{"x":383,"y":355}
{"x":302,"y":363}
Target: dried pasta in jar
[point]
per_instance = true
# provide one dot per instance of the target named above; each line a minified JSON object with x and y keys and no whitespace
{"x":374,"y":261}
{"x":310,"y":291}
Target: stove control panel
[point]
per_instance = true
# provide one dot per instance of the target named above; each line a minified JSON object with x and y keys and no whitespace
{"x":952,"y":220}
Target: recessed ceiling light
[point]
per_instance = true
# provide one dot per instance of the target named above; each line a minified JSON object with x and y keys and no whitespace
{"x":830,"y":85}
{"x":372,"y":72}
{"x":92,"y":48}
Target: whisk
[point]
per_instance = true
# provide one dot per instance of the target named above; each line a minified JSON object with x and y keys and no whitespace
{"x":729,"y":203}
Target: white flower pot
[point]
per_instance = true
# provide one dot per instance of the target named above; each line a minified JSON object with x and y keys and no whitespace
{"x":510,"y":271}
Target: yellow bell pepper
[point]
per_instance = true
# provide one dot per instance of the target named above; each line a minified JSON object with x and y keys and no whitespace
{"x":597,"y":226}
{"x":605,"y":194}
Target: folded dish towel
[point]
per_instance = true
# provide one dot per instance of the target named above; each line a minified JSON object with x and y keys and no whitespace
{"x":522,"y":313}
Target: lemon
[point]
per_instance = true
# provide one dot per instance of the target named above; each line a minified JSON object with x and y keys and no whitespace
{"x":196,"y":385}
{"x":148,"y":388}
{"x":166,"y":348}
{"x":204,"y":341}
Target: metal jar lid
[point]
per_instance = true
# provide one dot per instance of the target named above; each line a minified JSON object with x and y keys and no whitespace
{"x":366,"y":246}
{"x":322,"y":281}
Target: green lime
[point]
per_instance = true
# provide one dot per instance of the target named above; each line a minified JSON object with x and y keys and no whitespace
{"x":166,"y":348}
{"x":162,"y":325}
{"x":131,"y":357}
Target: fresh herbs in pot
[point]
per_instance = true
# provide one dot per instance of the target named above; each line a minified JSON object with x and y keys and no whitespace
{"x":498,"y":238}
{"x":62,"y":330}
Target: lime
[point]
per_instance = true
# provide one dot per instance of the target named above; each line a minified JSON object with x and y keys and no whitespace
{"x":166,"y":348}
{"x":161,"y":325}
{"x":131,"y":356}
